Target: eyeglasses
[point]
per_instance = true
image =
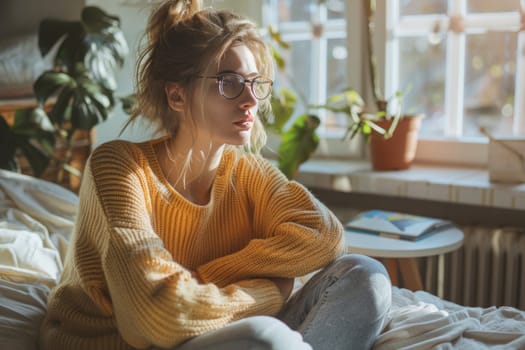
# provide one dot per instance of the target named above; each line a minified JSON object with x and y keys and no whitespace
{"x":231,"y":85}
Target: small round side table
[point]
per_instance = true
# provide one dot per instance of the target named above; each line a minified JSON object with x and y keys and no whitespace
{"x":400,"y":253}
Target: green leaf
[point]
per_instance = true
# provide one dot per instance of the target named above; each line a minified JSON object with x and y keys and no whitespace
{"x":376,"y":127}
{"x":96,"y":92}
{"x":352,"y":97}
{"x":107,"y":46}
{"x":72,"y":47}
{"x":298,"y":143}
{"x":49,"y":83}
{"x":365,"y":128}
{"x":279,"y":60}
{"x":283,"y":105}
{"x":96,"y":20}
{"x":28,"y":133}
{"x":84,"y":113}
{"x":50,"y":31}
{"x":61,"y":110}
{"x":36,"y":157}
{"x":32,"y":122}
{"x":336,"y":98}
{"x":85,"y":105}
{"x":275,"y":35}
{"x":351,"y":131}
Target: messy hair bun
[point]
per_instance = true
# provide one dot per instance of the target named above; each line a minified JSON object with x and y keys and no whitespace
{"x":168,"y":14}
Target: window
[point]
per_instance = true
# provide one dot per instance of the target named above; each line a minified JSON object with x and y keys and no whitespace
{"x":316,"y":61}
{"x":461,"y":62}
{"x":465,"y":61}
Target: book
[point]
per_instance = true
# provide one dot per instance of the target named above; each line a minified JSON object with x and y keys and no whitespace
{"x":396,"y":225}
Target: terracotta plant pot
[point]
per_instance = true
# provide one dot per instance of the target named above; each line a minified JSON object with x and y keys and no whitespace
{"x":398,"y":151}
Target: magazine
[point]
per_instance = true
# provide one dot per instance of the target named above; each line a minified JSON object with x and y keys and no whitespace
{"x":396,"y":225}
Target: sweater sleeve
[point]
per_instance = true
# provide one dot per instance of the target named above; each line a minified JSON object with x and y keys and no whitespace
{"x":155,"y":300}
{"x":294,"y":232}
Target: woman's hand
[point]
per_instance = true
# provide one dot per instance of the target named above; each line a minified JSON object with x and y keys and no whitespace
{"x":285,"y":286}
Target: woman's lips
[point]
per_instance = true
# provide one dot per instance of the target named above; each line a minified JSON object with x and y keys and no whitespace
{"x":245,"y":123}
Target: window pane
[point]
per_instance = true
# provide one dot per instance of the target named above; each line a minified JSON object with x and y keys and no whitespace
{"x":489,"y":82}
{"x":336,"y":82}
{"x":336,"y":9}
{"x":493,"y":6}
{"x":296,"y":10}
{"x":422,"y":78}
{"x":418,"y":7}
{"x":297,"y":73}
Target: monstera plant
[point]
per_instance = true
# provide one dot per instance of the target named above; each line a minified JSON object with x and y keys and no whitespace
{"x":73,"y":97}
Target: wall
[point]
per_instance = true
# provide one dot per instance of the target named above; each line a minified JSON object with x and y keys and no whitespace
{"x":22,"y":17}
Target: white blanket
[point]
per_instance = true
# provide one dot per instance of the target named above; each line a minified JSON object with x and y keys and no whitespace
{"x":423,"y":321}
{"x":37,"y":217}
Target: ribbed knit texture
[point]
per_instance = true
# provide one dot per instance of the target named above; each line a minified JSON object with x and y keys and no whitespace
{"x":127,"y":281}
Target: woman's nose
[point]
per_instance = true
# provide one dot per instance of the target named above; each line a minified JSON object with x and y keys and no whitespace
{"x":247,"y":97}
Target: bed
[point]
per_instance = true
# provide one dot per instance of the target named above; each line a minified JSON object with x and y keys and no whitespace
{"x":36,"y":218}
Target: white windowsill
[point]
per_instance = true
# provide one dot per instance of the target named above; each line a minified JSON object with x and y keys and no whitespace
{"x":453,"y":184}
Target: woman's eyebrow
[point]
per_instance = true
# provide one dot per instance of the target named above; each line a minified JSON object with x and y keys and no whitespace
{"x":252,"y":74}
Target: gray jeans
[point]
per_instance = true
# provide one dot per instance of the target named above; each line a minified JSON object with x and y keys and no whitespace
{"x":344,"y":306}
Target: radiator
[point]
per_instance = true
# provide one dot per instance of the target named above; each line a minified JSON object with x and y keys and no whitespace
{"x":488,"y":270}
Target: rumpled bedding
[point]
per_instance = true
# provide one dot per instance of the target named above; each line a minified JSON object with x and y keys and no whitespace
{"x":420,"y":320}
{"x":37,"y":218}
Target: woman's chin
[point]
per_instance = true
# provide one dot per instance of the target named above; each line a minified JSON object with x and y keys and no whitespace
{"x":242,"y":139}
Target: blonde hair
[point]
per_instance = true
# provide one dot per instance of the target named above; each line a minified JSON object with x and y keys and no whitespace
{"x":185,"y":41}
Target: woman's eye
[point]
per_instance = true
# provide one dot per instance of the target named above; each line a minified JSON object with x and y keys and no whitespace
{"x":228,"y":82}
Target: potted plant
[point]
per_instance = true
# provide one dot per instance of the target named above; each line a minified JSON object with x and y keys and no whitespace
{"x":392,"y":135}
{"x":79,"y":93}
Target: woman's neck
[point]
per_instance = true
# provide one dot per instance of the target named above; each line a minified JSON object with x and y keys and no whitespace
{"x":190,"y":169}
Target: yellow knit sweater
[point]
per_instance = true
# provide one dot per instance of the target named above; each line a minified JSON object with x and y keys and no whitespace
{"x":127,"y":279}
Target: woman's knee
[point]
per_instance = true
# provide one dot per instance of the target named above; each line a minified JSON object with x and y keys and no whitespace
{"x":360,"y":266}
{"x":365,"y":276}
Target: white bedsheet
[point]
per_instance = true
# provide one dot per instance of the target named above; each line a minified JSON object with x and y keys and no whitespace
{"x":37,"y":217}
{"x":421,"y":320}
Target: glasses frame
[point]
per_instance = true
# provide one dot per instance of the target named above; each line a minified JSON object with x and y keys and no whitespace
{"x":219,"y":78}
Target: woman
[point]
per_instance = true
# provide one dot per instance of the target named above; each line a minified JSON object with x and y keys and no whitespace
{"x":192,"y":242}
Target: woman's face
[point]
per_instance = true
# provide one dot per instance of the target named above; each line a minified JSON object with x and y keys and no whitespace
{"x":225,"y":121}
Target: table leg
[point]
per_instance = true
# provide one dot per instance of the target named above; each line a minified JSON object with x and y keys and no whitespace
{"x":410,"y":274}
{"x":391,"y":265}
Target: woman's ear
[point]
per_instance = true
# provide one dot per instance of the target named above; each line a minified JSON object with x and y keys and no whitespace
{"x":175,"y":96}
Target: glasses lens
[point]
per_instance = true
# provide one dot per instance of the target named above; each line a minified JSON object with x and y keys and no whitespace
{"x":231,"y":85}
{"x":262,"y":88}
